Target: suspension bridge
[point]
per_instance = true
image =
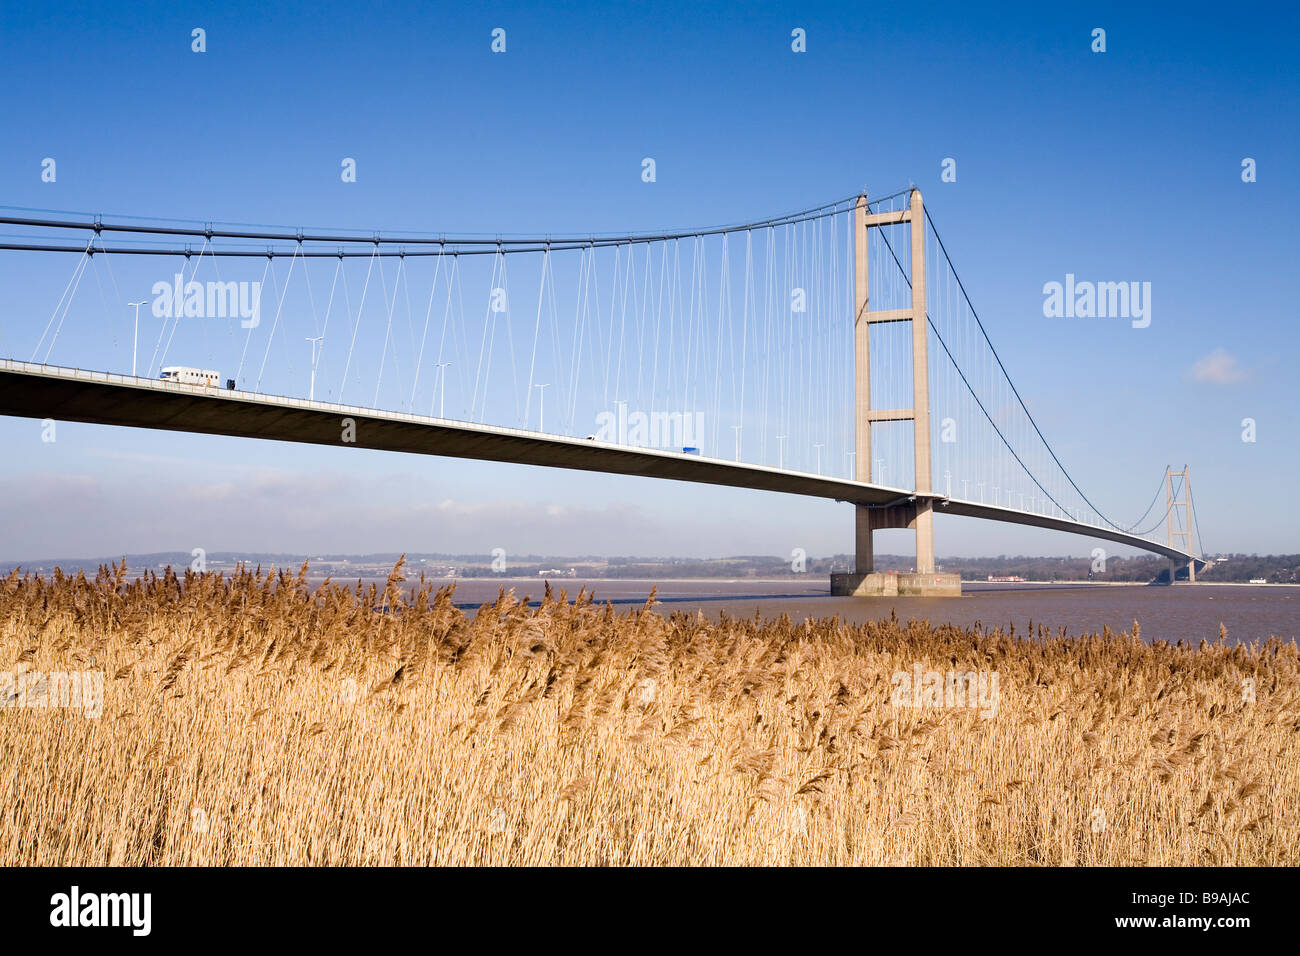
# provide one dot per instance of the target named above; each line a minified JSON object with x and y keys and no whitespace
{"x":831,"y":352}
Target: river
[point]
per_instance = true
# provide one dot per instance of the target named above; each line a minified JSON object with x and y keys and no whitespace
{"x":1187,"y":612}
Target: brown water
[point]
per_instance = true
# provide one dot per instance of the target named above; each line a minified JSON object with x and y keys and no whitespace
{"x":1184,"y":612}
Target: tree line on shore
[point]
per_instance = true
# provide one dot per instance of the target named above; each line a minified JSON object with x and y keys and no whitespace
{"x":1232,"y":568}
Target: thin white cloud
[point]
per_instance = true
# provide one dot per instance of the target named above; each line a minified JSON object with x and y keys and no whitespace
{"x":1218,"y":368}
{"x":141,"y":458}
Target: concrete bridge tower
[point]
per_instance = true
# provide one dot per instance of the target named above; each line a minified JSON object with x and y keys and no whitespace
{"x":1184,"y":529}
{"x":913,"y":511}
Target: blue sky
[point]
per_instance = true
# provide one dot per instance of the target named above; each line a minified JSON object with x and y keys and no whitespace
{"x":1123,"y":165}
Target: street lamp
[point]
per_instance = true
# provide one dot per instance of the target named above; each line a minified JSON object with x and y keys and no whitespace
{"x":442,"y":390}
{"x":780,"y":455}
{"x":541,"y":395}
{"x":135,"y":339}
{"x":620,"y":422}
{"x":314,"y":340}
{"x":736,"y":429}
{"x":818,"y":446}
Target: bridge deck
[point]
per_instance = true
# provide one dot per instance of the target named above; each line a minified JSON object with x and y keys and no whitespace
{"x":31,"y":390}
{"x":35,"y":391}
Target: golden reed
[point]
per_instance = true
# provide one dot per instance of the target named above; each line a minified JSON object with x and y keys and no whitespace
{"x":251,"y":719}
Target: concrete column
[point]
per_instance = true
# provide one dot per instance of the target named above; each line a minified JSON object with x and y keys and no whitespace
{"x":924,"y":538}
{"x":864,"y":561}
{"x":921,"y":389}
{"x":1169,"y":507}
{"x":864,"y":551}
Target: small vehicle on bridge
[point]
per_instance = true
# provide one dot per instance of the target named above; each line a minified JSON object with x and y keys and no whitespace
{"x":191,"y":376}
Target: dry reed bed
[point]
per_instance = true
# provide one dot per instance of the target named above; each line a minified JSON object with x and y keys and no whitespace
{"x":252,"y":720}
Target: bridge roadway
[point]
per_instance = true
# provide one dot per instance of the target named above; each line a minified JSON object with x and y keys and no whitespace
{"x":29,"y":390}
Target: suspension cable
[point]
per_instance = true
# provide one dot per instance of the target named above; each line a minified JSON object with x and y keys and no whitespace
{"x":1014,"y":390}
{"x":493,"y":245}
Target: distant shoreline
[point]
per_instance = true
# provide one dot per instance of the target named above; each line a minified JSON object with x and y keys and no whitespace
{"x":412,"y":573}
{"x":1000,"y":585}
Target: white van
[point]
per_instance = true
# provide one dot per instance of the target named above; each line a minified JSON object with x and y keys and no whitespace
{"x":191,"y":376}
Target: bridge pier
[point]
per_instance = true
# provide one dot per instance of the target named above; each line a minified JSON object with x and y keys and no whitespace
{"x":1173,"y":571}
{"x":864,"y":581}
{"x":913,"y":512}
